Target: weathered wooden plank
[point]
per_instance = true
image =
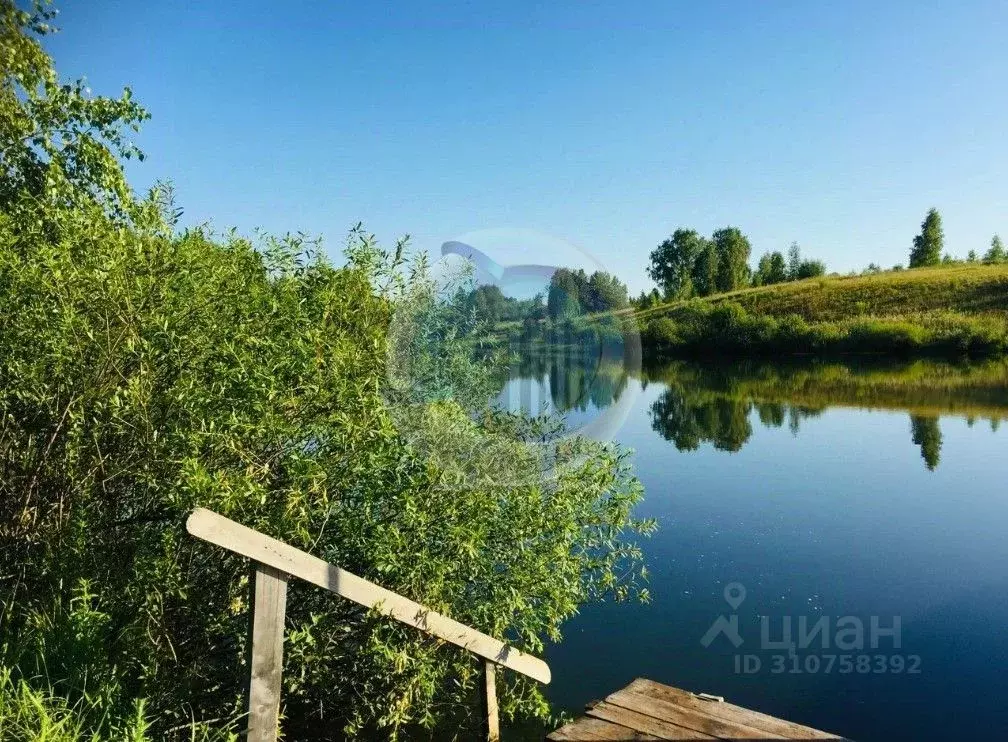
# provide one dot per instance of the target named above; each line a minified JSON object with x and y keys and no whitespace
{"x":597,"y":729}
{"x":697,"y":719}
{"x":689,"y":718}
{"x":729,"y":712}
{"x":644,"y":722}
{"x":269,"y":606}
{"x":261,"y":548}
{"x":488,"y":696}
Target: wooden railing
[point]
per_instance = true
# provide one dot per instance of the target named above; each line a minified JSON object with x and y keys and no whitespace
{"x":274,"y":562}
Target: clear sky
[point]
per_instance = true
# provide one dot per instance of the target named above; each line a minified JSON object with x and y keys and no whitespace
{"x":833,"y":124}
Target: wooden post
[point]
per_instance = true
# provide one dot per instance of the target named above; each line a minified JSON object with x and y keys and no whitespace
{"x":274,"y":562}
{"x":293,"y":562}
{"x":488,"y":698}
{"x":269,"y":606}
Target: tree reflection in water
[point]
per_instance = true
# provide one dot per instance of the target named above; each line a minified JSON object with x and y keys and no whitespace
{"x":713,"y":403}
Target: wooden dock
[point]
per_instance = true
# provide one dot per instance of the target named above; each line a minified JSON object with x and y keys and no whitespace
{"x":646,"y":710}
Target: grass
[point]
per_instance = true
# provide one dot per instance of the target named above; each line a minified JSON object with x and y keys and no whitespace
{"x":28,"y":713}
{"x":968,"y":289}
{"x":959,"y":310}
{"x":42,"y":714}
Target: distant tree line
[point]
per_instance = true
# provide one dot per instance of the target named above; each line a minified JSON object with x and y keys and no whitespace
{"x":773,"y":268}
{"x":687,"y":264}
{"x":573,"y":293}
{"x":929,"y":246}
{"x":575,"y":311}
{"x":491,"y":305}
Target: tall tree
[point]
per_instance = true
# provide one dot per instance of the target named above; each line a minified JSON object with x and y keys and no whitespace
{"x":604,"y":292}
{"x":733,"y":250}
{"x":568,"y":293}
{"x":772,"y":269}
{"x":705,"y":269}
{"x":673,"y":262}
{"x":794,"y":261}
{"x":489,"y":303}
{"x":996,"y":254}
{"x":928,"y":245}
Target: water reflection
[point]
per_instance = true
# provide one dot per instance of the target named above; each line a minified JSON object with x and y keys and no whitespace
{"x":711,"y":403}
{"x":927,"y":434}
{"x":839,"y":517}
{"x":564,"y":382}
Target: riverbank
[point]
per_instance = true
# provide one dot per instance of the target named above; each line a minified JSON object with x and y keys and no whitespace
{"x":950,"y":311}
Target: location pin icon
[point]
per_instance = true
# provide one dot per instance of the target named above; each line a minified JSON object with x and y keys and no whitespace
{"x":734,"y":594}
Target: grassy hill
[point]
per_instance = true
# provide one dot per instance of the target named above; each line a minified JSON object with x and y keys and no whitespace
{"x":946,"y":311}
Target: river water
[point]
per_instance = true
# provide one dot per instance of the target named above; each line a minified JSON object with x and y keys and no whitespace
{"x":832,"y":544}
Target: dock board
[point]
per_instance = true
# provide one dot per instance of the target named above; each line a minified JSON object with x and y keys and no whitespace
{"x":646,"y":710}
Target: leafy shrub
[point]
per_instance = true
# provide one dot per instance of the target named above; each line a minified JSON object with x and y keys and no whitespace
{"x":144,"y":373}
{"x":728,"y":328}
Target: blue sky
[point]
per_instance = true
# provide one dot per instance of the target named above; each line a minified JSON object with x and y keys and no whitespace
{"x":833,"y":124}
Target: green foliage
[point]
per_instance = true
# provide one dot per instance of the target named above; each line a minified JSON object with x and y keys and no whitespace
{"x":928,"y":245}
{"x":606,"y":292}
{"x":144,"y":373}
{"x":927,"y":434}
{"x":733,"y":250}
{"x":705,"y":270}
{"x":997,"y":253}
{"x":30,"y":713}
{"x":977,"y":291}
{"x":672,"y":264}
{"x":772,"y":269}
{"x":712,"y":402}
{"x":810,"y":269}
{"x":799,"y":269}
{"x":688,"y":265}
{"x":563,"y":299}
{"x":58,"y":144}
{"x":647,"y":299}
{"x":794,"y":261}
{"x":572,"y":293}
{"x":186,"y":371}
{"x":727,"y":327}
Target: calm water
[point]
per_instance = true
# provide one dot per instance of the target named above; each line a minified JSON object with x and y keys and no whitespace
{"x":823,"y":491}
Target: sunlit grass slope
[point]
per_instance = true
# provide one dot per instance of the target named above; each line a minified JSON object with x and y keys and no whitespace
{"x":948,"y":310}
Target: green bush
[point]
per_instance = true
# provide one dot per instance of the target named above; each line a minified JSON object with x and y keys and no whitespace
{"x":141,"y":377}
{"x":144,"y":373}
{"x":706,"y":328}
